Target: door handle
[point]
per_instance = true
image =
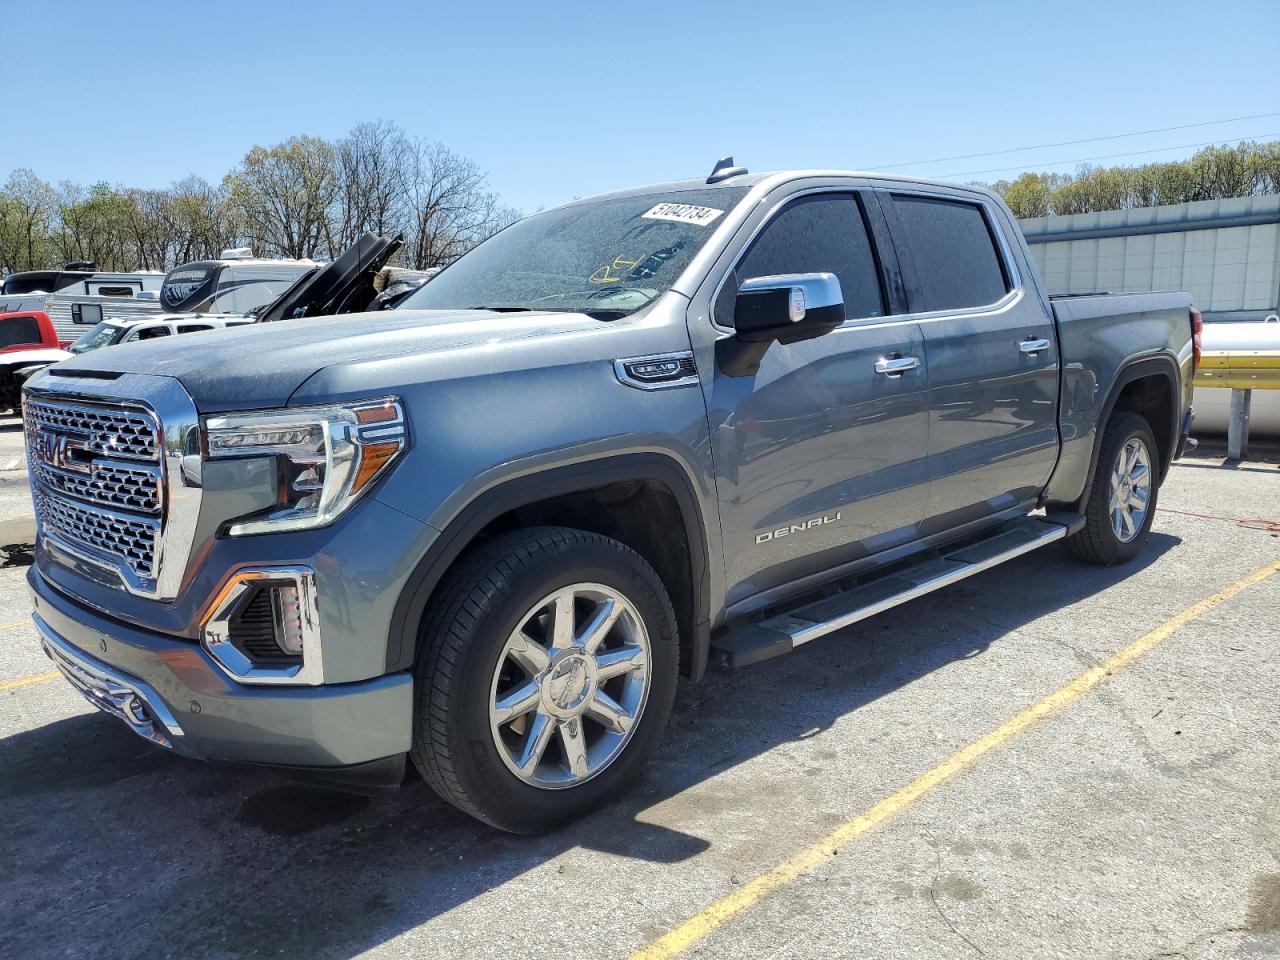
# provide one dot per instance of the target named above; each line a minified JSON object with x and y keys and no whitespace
{"x":1033,"y":345}
{"x":896,"y":366}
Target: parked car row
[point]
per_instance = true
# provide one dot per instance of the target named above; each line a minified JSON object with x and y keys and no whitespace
{"x":234,"y":290}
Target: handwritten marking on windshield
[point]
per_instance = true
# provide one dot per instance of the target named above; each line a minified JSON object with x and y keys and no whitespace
{"x":612,"y":272}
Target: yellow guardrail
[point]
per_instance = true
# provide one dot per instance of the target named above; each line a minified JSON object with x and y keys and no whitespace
{"x":1240,"y":369}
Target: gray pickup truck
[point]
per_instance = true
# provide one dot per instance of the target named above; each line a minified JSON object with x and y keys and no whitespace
{"x":698,"y":422}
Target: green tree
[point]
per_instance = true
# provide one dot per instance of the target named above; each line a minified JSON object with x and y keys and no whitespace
{"x":283,"y":195}
{"x":28,"y":220}
{"x":1028,"y":196}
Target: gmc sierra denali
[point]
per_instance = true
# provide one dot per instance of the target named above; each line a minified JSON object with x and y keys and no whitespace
{"x":698,"y":422}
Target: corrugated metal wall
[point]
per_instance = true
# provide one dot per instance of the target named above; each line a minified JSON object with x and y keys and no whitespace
{"x":1226,"y":253}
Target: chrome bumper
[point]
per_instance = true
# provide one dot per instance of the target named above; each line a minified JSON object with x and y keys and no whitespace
{"x":118,"y":694}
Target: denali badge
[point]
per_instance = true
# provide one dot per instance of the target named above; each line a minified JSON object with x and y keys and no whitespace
{"x":800,"y":527}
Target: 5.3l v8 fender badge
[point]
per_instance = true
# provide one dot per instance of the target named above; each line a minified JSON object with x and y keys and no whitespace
{"x":800,"y":527}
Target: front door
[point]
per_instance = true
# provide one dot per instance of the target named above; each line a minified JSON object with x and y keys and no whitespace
{"x":992,"y":354}
{"x":820,"y":459}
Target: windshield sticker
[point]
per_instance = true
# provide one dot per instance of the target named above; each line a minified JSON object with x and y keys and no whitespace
{"x":684,"y":213}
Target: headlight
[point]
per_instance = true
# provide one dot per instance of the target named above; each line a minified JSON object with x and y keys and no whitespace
{"x":327,"y":455}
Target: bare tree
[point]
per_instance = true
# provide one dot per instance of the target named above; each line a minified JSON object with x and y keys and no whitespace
{"x":373,"y":168}
{"x":450,"y":208}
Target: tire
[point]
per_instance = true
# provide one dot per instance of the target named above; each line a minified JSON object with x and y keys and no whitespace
{"x":477,"y":658}
{"x":1106,"y":539}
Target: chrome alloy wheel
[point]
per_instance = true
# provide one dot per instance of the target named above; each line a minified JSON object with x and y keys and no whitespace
{"x":1130,"y":490}
{"x":570,"y":685}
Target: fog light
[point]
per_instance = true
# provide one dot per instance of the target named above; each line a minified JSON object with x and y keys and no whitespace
{"x":289,"y":619}
{"x":263,"y":627}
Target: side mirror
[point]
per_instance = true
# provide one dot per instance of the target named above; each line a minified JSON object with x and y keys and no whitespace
{"x":788,"y":308}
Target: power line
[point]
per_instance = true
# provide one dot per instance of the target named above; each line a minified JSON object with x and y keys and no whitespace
{"x":1109,"y":156}
{"x":1071,"y":143}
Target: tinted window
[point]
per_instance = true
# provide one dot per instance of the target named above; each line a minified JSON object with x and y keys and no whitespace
{"x":818,"y":234}
{"x":150,"y":333}
{"x":242,"y":294}
{"x":194,"y":327}
{"x":956,"y":263}
{"x":115,"y":291}
{"x":18,"y":330}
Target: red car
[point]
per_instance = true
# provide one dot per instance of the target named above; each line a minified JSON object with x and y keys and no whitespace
{"x":27,"y":342}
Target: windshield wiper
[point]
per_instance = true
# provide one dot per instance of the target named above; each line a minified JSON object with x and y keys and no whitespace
{"x":503,"y":309}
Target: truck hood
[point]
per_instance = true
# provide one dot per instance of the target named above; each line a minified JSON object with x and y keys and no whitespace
{"x":261,"y":365}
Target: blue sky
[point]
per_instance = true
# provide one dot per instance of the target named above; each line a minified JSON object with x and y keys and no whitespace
{"x":556,"y":100}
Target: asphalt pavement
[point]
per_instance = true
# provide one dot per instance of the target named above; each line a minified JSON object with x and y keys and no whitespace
{"x":917,"y":786}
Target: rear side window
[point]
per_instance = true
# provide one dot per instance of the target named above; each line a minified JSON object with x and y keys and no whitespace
{"x":194,"y":327}
{"x":956,"y":261}
{"x":19,"y":330}
{"x":823,"y":233}
{"x":150,"y":333}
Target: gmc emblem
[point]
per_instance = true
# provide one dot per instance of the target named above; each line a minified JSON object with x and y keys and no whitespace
{"x":66,"y":452}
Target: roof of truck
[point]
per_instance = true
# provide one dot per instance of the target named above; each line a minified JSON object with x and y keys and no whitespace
{"x":752,"y":179}
{"x":773,"y":177}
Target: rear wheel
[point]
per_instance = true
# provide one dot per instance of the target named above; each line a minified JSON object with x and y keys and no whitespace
{"x":1122,"y":498}
{"x":547,"y":675}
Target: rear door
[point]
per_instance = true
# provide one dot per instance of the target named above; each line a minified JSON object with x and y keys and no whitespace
{"x":991,"y":352}
{"x":819,"y":458}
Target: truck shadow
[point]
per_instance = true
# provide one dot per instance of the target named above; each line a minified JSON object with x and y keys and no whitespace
{"x":229,"y":861}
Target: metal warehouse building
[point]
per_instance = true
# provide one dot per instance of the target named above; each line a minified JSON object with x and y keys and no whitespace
{"x":1226,"y":253}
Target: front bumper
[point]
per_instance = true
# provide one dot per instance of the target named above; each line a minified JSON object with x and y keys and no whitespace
{"x":171,"y":692}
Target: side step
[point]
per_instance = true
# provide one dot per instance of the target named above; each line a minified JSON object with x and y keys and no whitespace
{"x":781,"y":633}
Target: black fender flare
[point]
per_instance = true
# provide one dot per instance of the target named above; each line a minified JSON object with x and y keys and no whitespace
{"x":402,"y":640}
{"x":1161,"y":365}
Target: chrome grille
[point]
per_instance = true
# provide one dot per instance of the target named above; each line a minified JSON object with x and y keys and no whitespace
{"x":121,"y":486}
{"x":124,"y":539}
{"x":98,"y":482}
{"x":110,"y":431}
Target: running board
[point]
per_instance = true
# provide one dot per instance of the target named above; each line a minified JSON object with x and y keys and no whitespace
{"x":781,"y":633}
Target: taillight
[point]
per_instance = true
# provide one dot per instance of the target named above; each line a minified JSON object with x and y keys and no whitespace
{"x":1197,"y":337}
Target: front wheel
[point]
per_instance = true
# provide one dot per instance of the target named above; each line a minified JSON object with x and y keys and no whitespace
{"x":547,"y":674}
{"x":1122,"y":498}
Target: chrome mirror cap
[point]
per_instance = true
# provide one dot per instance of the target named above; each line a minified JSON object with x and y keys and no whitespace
{"x":810,"y":290}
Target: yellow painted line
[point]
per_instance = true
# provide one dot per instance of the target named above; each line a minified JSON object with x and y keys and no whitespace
{"x":28,"y":681}
{"x":721,"y":911}
{"x":24,"y":622}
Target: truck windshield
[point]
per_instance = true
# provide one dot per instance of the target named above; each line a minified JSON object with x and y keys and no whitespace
{"x":604,"y":257}
{"x":101,"y":335}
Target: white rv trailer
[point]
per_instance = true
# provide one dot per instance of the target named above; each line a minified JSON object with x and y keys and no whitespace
{"x":73,"y":298}
{"x":236,"y":282}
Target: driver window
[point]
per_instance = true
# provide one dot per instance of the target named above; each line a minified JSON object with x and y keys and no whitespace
{"x":820,"y":233}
